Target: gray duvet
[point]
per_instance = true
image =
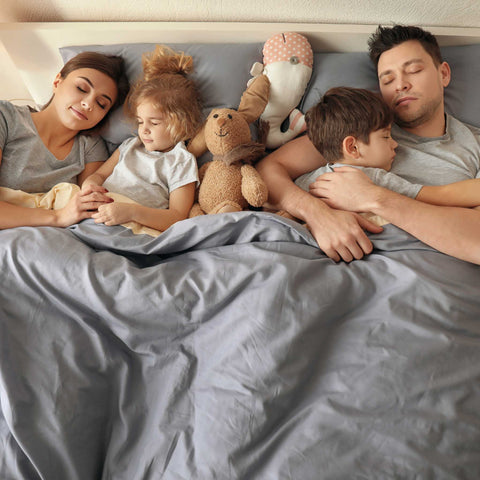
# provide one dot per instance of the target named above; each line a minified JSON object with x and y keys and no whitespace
{"x":230,"y":347}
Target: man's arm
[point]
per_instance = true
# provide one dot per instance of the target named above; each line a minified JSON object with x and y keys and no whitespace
{"x":459,"y":194}
{"x":339,"y":234}
{"x":451,"y":230}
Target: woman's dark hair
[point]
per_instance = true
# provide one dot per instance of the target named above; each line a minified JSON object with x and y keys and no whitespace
{"x":345,"y":111}
{"x":386,"y":38}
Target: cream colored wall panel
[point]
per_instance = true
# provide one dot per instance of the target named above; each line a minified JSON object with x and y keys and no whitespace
{"x":461,"y":13}
{"x":33,"y":47}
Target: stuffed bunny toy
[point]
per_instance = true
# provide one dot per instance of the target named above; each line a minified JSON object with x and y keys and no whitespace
{"x":230,"y":183}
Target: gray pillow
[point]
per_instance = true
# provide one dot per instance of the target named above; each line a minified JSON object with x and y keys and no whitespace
{"x":349,"y":69}
{"x":220,"y":70}
{"x":462,"y":96}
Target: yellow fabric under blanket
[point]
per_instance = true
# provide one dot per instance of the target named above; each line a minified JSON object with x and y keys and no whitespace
{"x":59,"y":196}
{"x":376,"y":219}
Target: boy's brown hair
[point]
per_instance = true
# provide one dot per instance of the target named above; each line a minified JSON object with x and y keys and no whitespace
{"x":345,"y":111}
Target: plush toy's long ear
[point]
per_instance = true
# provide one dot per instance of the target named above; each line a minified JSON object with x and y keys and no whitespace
{"x":197,"y":146}
{"x":255,"y":98}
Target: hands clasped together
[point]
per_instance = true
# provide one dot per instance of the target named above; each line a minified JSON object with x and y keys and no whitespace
{"x":92,"y":201}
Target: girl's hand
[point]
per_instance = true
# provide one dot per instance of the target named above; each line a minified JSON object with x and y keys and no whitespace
{"x":114,"y":213}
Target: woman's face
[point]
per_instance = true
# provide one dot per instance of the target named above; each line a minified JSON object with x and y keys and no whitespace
{"x":83,"y":98}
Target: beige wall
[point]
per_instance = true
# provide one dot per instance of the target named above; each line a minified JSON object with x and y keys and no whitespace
{"x":448,"y":13}
{"x":457,"y":13}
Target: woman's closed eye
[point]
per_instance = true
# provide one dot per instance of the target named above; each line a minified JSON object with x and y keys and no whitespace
{"x":101,"y":104}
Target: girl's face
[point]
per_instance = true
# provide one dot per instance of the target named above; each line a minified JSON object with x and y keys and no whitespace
{"x":152,"y":128}
{"x":83,"y":98}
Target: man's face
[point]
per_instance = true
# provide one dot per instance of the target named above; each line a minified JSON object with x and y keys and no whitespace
{"x":412,"y":84}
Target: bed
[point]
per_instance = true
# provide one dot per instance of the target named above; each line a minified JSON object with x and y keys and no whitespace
{"x":230,"y":346}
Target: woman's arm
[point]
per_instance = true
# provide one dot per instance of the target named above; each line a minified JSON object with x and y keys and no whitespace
{"x":77,"y":209}
{"x":459,"y":194}
{"x":180,"y":203}
{"x":16,"y":216}
{"x":339,"y":234}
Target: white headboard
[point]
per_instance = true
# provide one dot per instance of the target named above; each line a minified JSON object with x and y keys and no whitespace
{"x":33,"y":47}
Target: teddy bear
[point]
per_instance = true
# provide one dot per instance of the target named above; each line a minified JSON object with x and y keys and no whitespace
{"x":230,"y":183}
{"x":288,"y":64}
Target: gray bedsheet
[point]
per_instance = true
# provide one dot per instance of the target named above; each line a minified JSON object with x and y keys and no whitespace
{"x":230,"y":347}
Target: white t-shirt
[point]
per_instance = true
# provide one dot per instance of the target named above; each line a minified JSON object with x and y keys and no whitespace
{"x":148,"y":178}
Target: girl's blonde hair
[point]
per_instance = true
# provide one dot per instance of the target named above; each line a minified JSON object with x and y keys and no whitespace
{"x":165,"y":84}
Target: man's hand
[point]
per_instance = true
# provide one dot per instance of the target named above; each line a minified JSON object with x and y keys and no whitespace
{"x":340,"y":234}
{"x":347,"y":188}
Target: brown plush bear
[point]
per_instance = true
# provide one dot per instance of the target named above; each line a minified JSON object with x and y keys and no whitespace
{"x":229,"y":183}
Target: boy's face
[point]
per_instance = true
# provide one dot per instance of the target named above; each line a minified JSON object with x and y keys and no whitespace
{"x":411,"y":84}
{"x":379,"y":152}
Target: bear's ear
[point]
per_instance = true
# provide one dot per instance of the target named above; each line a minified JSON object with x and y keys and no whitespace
{"x":255,"y":98}
{"x":197,"y":146}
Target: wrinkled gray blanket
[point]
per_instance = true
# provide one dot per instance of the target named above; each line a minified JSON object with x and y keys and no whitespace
{"x":230,"y":347}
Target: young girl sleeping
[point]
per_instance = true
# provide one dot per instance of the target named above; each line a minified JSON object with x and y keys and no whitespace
{"x":154,"y":169}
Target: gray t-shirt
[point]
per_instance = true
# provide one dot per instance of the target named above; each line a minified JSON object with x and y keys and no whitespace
{"x":150,"y":177}
{"x":377,"y":175}
{"x":450,"y":158}
{"x":28,"y":165}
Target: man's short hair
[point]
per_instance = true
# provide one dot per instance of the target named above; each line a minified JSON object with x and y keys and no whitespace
{"x":345,"y":111}
{"x":386,"y":38}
